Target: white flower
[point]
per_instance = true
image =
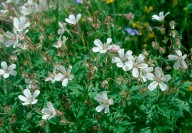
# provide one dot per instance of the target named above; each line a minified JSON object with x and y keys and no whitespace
{"x":64,"y":76}
{"x":60,"y":43}
{"x":12,"y":39}
{"x":102,"y":48}
{"x":138,"y":63}
{"x":161,"y":16}
{"x":32,"y":83}
{"x":145,"y":73}
{"x":6,"y":71}
{"x":62,"y":28}
{"x":26,"y":10}
{"x":28,"y":98}
{"x":122,"y":60}
{"x":49,"y":112}
{"x":20,"y":23}
{"x":104,"y":102}
{"x":72,"y":19}
{"x":158,"y":80}
{"x":51,"y":76}
{"x":180,"y":60}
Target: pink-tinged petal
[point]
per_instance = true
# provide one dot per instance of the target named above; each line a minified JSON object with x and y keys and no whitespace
{"x":6,"y":75}
{"x":104,"y":94}
{"x":121,"y":53}
{"x":100,"y":107}
{"x":78,"y":17}
{"x":116,"y":60}
{"x":150,"y":76}
{"x":107,"y":109}
{"x":109,"y":40}
{"x":158,"y":72}
{"x":153,"y":85}
{"x":14,"y":73}
{"x":162,"y":86}
{"x":135,"y":72}
{"x":4,"y":65}
{"x":172,"y":57}
{"x":140,"y":58}
{"x":11,"y":67}
{"x":2,"y":72}
{"x":65,"y":82}
{"x":142,"y":65}
{"x":96,"y":49}
{"x":177,"y":65}
{"x":179,"y":53}
{"x":98,"y":43}
{"x":184,"y":65}
{"x":27,"y":93}
{"x":36,"y":93}
{"x":99,"y":98}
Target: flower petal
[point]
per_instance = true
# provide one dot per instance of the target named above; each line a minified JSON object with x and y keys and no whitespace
{"x":109,"y":40}
{"x":65,"y":82}
{"x":162,"y":86}
{"x":116,"y":60}
{"x":98,"y":43}
{"x":172,"y":57}
{"x":158,"y":72}
{"x":183,"y":64}
{"x":179,"y":53}
{"x":140,"y":58}
{"x":104,"y":94}
{"x":153,"y":85}
{"x":177,"y":65}
{"x":36,"y":93}
{"x":100,"y":107}
{"x":4,"y":65}
{"x":27,"y":93}
{"x":135,"y":72}
{"x":107,"y":109}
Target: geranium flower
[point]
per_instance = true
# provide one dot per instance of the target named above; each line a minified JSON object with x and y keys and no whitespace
{"x":62,"y":28}
{"x":161,"y":16}
{"x":49,"y":112}
{"x":122,"y":60}
{"x":132,"y":32}
{"x":32,"y":83}
{"x":158,"y":80}
{"x":6,"y":71}
{"x":12,"y":39}
{"x":51,"y":76}
{"x":179,"y":58}
{"x":102,"y":48}
{"x":72,"y":19}
{"x":20,"y":23}
{"x":28,"y":98}
{"x":60,"y":42}
{"x":138,"y":63}
{"x":104,"y":102}
{"x":64,"y":76}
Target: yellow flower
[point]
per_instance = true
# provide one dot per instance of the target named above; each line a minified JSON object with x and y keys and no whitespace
{"x":190,"y":88}
{"x":109,"y":1}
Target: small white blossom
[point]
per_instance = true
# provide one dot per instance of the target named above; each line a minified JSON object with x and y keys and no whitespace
{"x":20,"y":23}
{"x":28,"y":98}
{"x":102,"y":47}
{"x":32,"y":83}
{"x":64,"y":76}
{"x":122,"y":60}
{"x":161,"y":16}
{"x":104,"y":102}
{"x":51,"y":76}
{"x":12,"y":39}
{"x":146,"y":73}
{"x":6,"y":71}
{"x":158,"y":80}
{"x":62,"y":28}
{"x":137,"y":63}
{"x":49,"y":112}
{"x":72,"y":19}
{"x":60,"y":42}
{"x":179,"y":58}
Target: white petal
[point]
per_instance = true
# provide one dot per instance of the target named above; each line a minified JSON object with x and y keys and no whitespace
{"x":8,"y":43}
{"x":107,"y":109}
{"x":14,"y":73}
{"x":177,"y":65}
{"x":162,"y":86}
{"x":142,"y":65}
{"x":99,"y":98}
{"x":120,"y":64}
{"x":59,"y":77}
{"x":46,"y":111}
{"x":71,"y":17}
{"x":153,"y":85}
{"x":62,"y":69}
{"x":172,"y":57}
{"x":110,"y":101}
{"x":69,"y":69}
{"x":121,"y":53}
{"x":27,"y":93}
{"x":184,"y":65}
{"x":45,"y":117}
{"x":116,"y":60}
{"x":179,"y":53}
{"x":70,"y":21}
{"x":4,"y":65}
{"x":96,"y":49}
{"x":36,"y":93}
{"x":104,"y":94}
{"x":65,"y":82}
{"x":166,"y":78}
{"x":34,"y":101}
{"x":155,"y":17}
{"x":11,"y":67}
{"x":135,"y":72}
{"x":6,"y":75}
{"x":16,"y":22}
{"x":140,"y":58}
{"x":100,"y":107}
{"x":22,"y":98}
{"x":98,"y":43}
{"x":150,"y":76}
{"x":71,"y":77}
{"x":149,"y":69}
{"x":2,"y":72}
{"x":50,"y":106}
{"x":109,"y":40}
{"x":78,"y":18}
{"x":158,"y":72}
